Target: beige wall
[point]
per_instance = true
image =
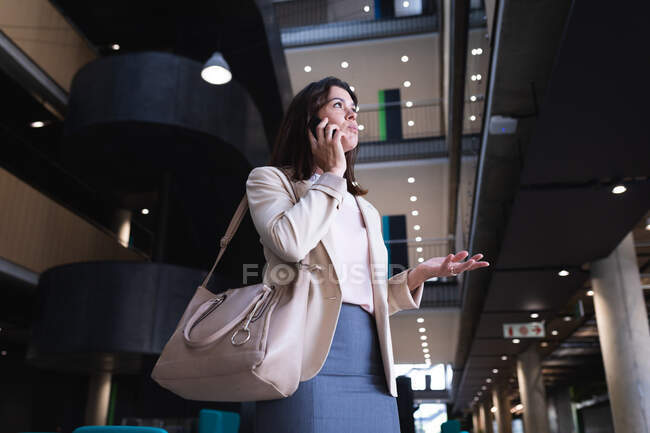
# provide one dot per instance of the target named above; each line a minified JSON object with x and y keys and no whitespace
{"x":37,"y":28}
{"x":38,"y":233}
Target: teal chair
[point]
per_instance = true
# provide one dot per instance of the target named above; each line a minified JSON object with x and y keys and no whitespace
{"x":217,"y":421}
{"x":117,"y":429}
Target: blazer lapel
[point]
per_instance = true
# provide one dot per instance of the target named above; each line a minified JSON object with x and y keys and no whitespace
{"x":327,"y":240}
{"x":378,"y":264}
{"x":378,"y":260}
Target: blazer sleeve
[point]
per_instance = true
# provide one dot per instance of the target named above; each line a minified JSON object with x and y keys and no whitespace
{"x":292,"y":229}
{"x":399,"y":295}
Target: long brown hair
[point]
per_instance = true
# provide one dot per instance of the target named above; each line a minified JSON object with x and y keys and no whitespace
{"x":292,"y":147}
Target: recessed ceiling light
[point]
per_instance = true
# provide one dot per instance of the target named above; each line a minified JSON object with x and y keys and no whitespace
{"x":405,"y":4}
{"x":407,"y":83}
{"x":472,"y":98}
{"x":418,"y":249}
{"x":543,"y":344}
{"x":567,"y":318}
{"x":647,"y":225}
{"x":344,"y":64}
{"x":475,"y":398}
{"x":307,"y":68}
{"x":413,"y":198}
{"x":425,"y":350}
{"x":516,"y":340}
{"x":563,"y":273}
{"x":534,"y":315}
{"x":422,"y":330}
{"x":554,"y":332}
{"x":361,"y":127}
{"x":478,"y":76}
{"x":493,"y":409}
{"x":420,"y":259}
{"x":410,"y":180}
{"x":619,"y":189}
{"x":488,"y":380}
{"x":484,"y":387}
{"x":590,"y":293}
{"x":479,"y":393}
{"x":409,"y":104}
{"x":472,"y":118}
{"x":405,"y":59}
{"x":420,"y":319}
{"x":504,"y":358}
{"x":427,"y":356}
{"x":477,"y":51}
{"x":425,"y":344}
{"x":115,"y":47}
{"x":37,"y":124}
{"x":366,"y":8}
{"x":416,"y":227}
{"x":423,"y":337}
{"x":410,"y":123}
{"x":415,"y":213}
{"x":3,"y":353}
{"x":145,"y":211}
{"x":495,"y":370}
{"x":473,"y":77}
{"x":418,"y":239}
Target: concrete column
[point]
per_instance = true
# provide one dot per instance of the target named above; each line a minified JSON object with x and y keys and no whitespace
{"x":475,"y":417}
{"x":559,"y":411}
{"x":531,"y":389}
{"x":122,"y":226}
{"x":502,"y":404}
{"x":485,"y":417}
{"x":99,"y":392}
{"x":624,"y":336}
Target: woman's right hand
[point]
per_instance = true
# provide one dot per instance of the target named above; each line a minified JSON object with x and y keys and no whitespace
{"x":328,"y":152}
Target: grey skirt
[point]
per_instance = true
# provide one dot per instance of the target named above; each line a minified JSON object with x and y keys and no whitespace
{"x":349,"y":394}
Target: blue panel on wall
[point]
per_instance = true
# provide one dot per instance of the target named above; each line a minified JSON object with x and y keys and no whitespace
{"x":394,"y":228}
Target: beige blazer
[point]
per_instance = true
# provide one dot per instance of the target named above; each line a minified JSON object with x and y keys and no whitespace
{"x":291,"y":232}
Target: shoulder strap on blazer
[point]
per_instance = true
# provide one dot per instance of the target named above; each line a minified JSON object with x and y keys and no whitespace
{"x":234,"y":225}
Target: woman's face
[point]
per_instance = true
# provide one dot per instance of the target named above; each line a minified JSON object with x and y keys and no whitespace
{"x":339,"y":110}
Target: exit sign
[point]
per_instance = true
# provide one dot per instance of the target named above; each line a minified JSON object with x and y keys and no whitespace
{"x":524,"y":330}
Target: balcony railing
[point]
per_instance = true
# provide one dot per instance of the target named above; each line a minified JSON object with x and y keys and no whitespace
{"x":419,"y":120}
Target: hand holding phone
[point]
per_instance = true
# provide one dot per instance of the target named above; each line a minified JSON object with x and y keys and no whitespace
{"x":313,"y":123}
{"x":329,"y":158}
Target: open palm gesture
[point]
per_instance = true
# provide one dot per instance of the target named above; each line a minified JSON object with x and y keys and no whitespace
{"x":452,"y":264}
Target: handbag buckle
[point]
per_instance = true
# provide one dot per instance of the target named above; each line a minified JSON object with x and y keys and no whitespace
{"x":239,"y":343}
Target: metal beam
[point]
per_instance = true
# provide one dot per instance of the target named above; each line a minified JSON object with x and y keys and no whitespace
{"x":458,"y":27}
{"x":22,"y":69}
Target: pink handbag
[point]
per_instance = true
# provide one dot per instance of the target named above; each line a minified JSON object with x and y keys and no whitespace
{"x":244,"y":344}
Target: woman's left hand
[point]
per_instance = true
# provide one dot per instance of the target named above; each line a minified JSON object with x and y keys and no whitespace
{"x":451,"y":265}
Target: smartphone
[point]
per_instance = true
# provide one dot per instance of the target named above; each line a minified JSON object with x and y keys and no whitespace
{"x":313,"y":123}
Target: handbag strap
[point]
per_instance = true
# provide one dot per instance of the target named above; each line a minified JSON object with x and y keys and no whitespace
{"x":234,"y":225}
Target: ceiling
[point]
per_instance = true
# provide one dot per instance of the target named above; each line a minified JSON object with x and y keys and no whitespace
{"x":545,"y":199}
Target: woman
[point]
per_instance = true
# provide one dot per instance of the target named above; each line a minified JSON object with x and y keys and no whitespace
{"x":347,"y":380}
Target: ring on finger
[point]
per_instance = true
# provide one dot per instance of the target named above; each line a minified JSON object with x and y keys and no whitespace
{"x":451,"y":269}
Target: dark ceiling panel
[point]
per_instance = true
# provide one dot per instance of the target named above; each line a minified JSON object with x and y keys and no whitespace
{"x":569,"y":227}
{"x":593,"y":123}
{"x":531,"y":290}
{"x":494,"y":346}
